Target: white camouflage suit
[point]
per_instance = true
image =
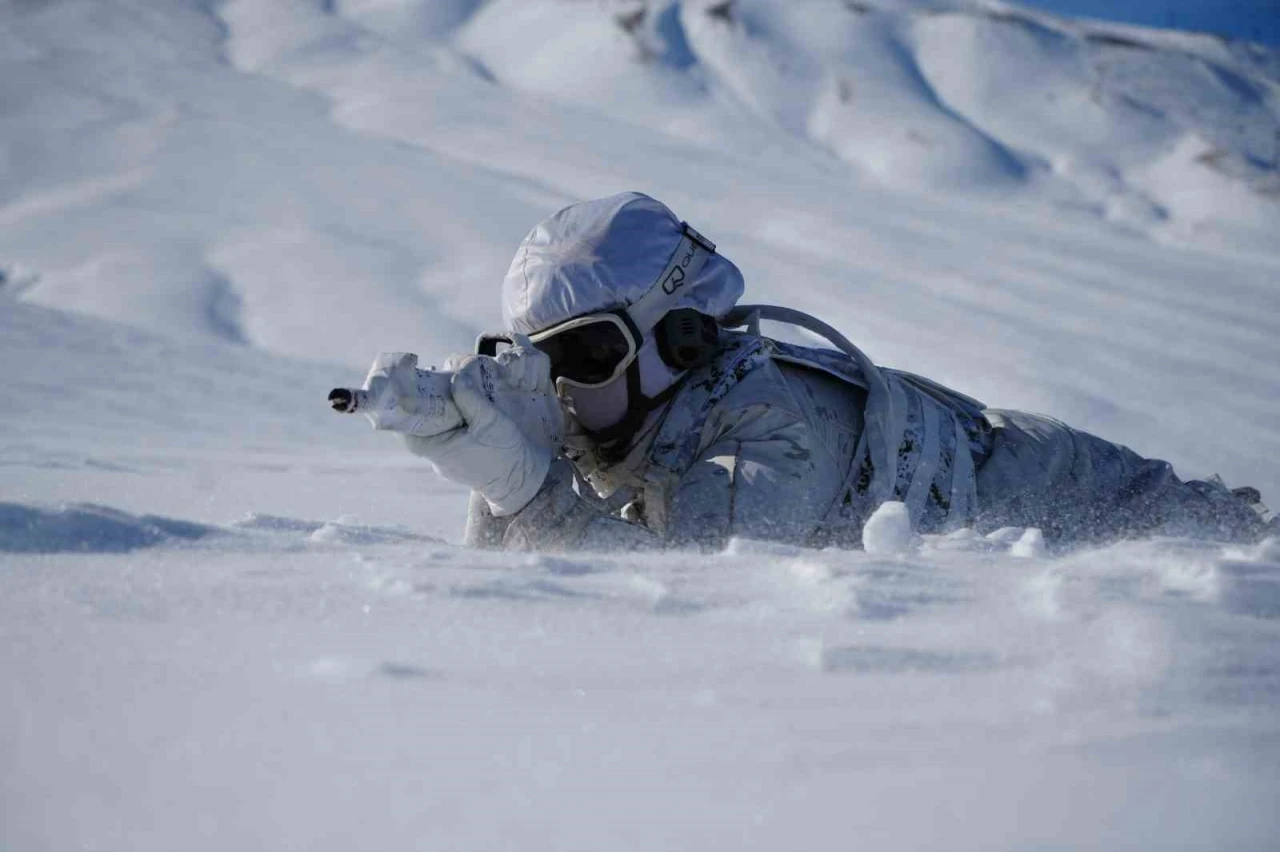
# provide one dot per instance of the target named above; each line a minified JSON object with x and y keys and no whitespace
{"x":773,"y":453}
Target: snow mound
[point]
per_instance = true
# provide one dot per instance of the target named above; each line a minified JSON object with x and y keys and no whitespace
{"x":86,"y":528}
{"x":888,"y":530}
{"x":1030,"y":545}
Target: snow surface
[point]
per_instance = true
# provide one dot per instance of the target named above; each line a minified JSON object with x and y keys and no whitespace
{"x":231,"y":619}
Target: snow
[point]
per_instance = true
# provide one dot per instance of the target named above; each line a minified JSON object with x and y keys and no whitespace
{"x":86,"y":528}
{"x":230,"y":618}
{"x":888,"y":530}
{"x":1030,"y":545}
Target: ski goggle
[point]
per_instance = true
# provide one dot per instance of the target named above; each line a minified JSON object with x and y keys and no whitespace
{"x":589,"y":351}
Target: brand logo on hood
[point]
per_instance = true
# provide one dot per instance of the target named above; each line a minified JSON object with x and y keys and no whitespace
{"x":675,"y":280}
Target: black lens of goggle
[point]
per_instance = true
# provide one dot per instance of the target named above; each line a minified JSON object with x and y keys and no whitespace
{"x":588,"y":353}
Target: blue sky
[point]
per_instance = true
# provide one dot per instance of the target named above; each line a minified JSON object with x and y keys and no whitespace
{"x":1256,"y":20}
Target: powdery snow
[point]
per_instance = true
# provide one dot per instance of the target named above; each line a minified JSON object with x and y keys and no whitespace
{"x":888,"y":530}
{"x":1030,"y":545}
{"x":231,"y":619}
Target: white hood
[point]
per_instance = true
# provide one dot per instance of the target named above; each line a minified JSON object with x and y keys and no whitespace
{"x":605,"y":254}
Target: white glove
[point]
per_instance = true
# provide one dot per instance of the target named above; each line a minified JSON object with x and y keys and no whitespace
{"x":502,"y":452}
{"x":398,"y":397}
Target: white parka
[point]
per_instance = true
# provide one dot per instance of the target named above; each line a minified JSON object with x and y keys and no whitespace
{"x":781,"y":452}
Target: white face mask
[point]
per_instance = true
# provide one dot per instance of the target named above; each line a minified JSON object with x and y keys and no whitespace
{"x":601,"y":407}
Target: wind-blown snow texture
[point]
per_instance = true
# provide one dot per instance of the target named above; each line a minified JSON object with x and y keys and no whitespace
{"x":230,"y":619}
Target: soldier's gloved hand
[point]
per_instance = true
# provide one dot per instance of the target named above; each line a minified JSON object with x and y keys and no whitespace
{"x":492,"y":453}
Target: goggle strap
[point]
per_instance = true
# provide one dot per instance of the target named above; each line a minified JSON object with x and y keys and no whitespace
{"x":682,"y":270}
{"x":637,"y":336}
